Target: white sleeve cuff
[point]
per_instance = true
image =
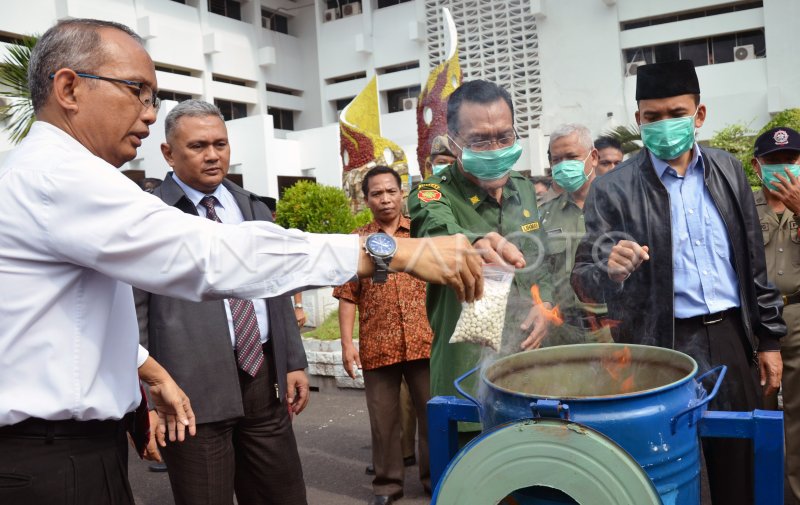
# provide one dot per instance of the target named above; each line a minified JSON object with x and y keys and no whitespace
{"x":141,"y":356}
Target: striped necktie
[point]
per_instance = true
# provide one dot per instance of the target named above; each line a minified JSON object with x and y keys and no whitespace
{"x":249,"y":354}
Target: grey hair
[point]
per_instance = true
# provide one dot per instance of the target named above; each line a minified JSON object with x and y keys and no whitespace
{"x":565,"y":130}
{"x":71,"y":43}
{"x":190,"y":108}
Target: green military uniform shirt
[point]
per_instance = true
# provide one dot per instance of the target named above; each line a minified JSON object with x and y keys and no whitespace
{"x":448,"y":204}
{"x":562,"y":222}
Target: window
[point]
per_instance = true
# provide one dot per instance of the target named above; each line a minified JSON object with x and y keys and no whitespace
{"x":389,"y":3}
{"x":282,"y":119}
{"x":695,"y":50}
{"x":228,"y":80}
{"x":397,"y":68}
{"x":342,"y":103}
{"x":9,"y":38}
{"x":283,"y":91}
{"x":172,"y":70}
{"x":271,"y":20}
{"x":334,"y":4}
{"x":173,"y":95}
{"x":705,"y":51}
{"x":345,"y":78}
{"x":228,"y":8}
{"x":694,"y":14}
{"x":395,"y":97}
{"x":231,"y":110}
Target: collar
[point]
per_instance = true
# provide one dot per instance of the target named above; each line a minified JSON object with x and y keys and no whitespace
{"x":374,"y":227}
{"x":194,"y":195}
{"x":476,"y":194}
{"x":661,"y":166}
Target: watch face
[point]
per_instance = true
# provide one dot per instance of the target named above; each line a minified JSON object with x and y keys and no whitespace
{"x":381,"y":244}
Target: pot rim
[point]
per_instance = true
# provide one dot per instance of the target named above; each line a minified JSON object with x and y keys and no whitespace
{"x":634,"y":394}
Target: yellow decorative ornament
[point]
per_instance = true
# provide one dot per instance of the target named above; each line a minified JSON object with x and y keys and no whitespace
{"x":363,"y":147}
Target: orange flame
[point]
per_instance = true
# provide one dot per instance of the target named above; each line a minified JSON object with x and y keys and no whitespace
{"x":553,"y":315}
{"x":618,"y":365}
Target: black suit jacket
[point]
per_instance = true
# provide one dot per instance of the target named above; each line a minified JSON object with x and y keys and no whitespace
{"x":192,"y":339}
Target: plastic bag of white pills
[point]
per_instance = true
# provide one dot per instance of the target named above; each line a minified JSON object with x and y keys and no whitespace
{"x":481,"y":322}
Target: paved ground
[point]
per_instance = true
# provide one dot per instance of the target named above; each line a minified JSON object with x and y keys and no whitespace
{"x":334,"y":442}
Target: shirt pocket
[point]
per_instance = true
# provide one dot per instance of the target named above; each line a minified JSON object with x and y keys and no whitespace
{"x":795,"y":244}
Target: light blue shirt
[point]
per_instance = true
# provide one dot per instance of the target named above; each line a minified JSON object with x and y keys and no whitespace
{"x":228,"y":212}
{"x":704,"y":279}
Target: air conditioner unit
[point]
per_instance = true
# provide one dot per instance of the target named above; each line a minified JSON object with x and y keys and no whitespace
{"x":331,"y":14}
{"x":410,"y":103}
{"x":746,"y":52}
{"x":632,"y":67}
{"x":351,"y":9}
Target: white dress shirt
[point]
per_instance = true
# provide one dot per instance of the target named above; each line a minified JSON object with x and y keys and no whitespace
{"x":228,"y":212}
{"x":75,"y":233}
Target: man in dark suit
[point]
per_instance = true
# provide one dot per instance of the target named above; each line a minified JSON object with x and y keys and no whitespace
{"x":244,"y":373}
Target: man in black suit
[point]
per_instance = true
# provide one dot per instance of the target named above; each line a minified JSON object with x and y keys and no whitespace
{"x":245,"y":373}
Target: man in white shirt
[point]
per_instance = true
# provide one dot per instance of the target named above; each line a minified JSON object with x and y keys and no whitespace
{"x":77,"y":234}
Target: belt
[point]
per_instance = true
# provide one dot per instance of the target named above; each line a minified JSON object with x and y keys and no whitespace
{"x":707,"y":319}
{"x":68,"y":428}
{"x":580,"y":319}
{"x":791,"y":299}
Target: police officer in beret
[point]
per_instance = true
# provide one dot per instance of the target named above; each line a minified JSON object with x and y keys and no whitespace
{"x":776,"y":159}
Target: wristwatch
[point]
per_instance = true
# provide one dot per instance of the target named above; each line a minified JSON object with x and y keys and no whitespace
{"x":381,"y":248}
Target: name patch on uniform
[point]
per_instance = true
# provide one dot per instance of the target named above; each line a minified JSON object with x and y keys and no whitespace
{"x":429,"y":185}
{"x":426,"y":195}
{"x":530,"y":226}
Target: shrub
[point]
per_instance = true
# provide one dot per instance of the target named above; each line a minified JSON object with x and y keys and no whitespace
{"x":738,"y":140}
{"x":316,"y":208}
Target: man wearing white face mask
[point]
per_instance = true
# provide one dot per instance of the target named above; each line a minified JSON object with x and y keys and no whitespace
{"x":670,"y":246}
{"x":776,"y":158}
{"x":574,"y":160}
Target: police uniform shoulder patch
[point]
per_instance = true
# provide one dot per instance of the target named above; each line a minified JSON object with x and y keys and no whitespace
{"x":427,"y":195}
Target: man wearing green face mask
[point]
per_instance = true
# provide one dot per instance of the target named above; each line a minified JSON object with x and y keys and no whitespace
{"x":480,"y":195}
{"x":670,"y":246}
{"x":574,"y":160}
{"x":776,"y":158}
{"x":441,"y":157}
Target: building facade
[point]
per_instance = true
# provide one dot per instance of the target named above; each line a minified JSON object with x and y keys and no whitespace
{"x":280,"y":70}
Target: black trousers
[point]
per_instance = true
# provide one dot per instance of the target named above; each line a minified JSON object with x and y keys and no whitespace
{"x":254,"y":456}
{"x":64,"y":463}
{"x":729,"y":462}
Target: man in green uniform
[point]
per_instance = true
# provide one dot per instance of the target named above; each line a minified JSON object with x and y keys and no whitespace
{"x":479,"y":195}
{"x":574,"y":160}
{"x":777,"y":161}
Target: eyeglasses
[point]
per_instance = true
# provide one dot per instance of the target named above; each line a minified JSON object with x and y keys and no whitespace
{"x":146,"y":94}
{"x":485,"y":145}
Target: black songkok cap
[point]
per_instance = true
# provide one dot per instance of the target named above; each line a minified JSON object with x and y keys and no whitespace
{"x":663,"y":80}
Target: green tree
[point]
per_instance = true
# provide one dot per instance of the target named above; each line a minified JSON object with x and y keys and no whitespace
{"x":17,"y":112}
{"x":738,"y":140}
{"x":789,"y":118}
{"x":316,"y":208}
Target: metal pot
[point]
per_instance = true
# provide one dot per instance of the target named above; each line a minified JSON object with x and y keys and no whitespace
{"x":645,"y":398}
